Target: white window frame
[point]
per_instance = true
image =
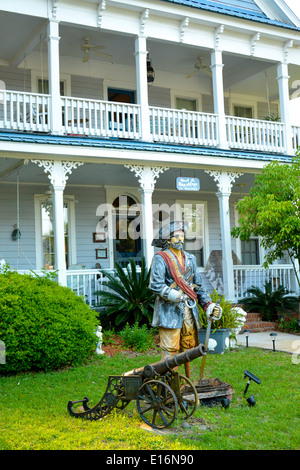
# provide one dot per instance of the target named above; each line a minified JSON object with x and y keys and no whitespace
{"x":70,"y":200}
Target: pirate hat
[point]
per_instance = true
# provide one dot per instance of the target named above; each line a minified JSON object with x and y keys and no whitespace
{"x":166,"y":231}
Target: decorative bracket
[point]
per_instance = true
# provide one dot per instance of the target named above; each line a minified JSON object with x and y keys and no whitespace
{"x":57,"y":171}
{"x":218,"y":33}
{"x":183,"y":26}
{"x":54,"y":8}
{"x":287,"y":45}
{"x":254,"y":39}
{"x":147,"y":175}
{"x":143,"y":18}
{"x":224,"y":179}
{"x":100,"y":9}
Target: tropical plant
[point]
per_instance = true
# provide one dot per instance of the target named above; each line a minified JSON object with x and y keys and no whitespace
{"x":230,"y":316}
{"x":128,"y":298}
{"x":269,"y":303}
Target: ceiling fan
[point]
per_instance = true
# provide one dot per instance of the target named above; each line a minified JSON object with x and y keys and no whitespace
{"x":200,"y":65}
{"x":86,"y":48}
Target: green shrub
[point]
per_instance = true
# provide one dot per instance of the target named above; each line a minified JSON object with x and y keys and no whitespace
{"x":138,"y":338}
{"x":43,"y":325}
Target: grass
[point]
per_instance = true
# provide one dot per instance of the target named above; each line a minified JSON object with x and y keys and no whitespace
{"x":33,"y":408}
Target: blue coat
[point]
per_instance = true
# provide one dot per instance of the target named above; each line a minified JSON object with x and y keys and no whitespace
{"x":169,"y":314}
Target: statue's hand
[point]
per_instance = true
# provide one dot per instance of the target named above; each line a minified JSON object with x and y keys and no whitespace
{"x":214,"y":312}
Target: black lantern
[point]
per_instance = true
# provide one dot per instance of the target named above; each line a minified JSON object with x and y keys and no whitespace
{"x":247,"y":336}
{"x":150,"y":72}
{"x":273,"y":339}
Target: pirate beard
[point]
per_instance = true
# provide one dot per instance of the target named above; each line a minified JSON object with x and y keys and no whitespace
{"x":178,"y":245}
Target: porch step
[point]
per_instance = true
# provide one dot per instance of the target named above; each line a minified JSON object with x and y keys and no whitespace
{"x":255,"y":324}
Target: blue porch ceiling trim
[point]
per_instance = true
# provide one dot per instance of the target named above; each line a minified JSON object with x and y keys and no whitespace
{"x":232,"y":10}
{"x":93,"y":142}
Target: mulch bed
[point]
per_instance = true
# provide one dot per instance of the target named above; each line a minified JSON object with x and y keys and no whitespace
{"x":116,"y":346}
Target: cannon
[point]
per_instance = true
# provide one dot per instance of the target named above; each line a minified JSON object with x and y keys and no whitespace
{"x":159,"y":390}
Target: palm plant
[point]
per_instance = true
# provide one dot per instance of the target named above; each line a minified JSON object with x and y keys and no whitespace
{"x":128,"y":298}
{"x":268,"y":303}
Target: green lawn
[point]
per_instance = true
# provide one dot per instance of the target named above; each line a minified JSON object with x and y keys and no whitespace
{"x":33,"y":408}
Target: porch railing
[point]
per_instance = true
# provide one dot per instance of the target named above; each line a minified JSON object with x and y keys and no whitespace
{"x":253,"y":134}
{"x":86,"y":283}
{"x":24,"y":111}
{"x":31,"y":112}
{"x":296,"y":137}
{"x":180,"y":126}
{"x":246,"y":276}
{"x":100,"y":118}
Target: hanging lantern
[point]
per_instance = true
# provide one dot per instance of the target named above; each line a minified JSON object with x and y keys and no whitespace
{"x":150,"y":72}
{"x":16,"y":234}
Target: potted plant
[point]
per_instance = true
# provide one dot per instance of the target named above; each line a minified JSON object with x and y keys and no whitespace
{"x":223,"y":331}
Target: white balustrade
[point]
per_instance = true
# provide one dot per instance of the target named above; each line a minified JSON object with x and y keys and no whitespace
{"x":252,"y":134}
{"x":247,"y":276}
{"x":180,"y":126}
{"x":24,"y":111}
{"x":100,"y":118}
{"x":296,"y":137}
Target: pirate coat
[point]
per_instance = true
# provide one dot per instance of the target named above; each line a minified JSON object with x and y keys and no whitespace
{"x":169,"y":314}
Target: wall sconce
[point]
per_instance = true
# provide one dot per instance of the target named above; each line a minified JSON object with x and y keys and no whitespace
{"x":247,"y":336}
{"x":150,"y":72}
{"x":273,"y":339}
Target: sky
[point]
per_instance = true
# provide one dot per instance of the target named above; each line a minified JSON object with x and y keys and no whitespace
{"x":295,"y":104}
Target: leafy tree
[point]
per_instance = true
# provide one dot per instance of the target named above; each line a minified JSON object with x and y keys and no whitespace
{"x":128,"y":298}
{"x":272,"y":211}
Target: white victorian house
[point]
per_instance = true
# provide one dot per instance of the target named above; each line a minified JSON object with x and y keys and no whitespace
{"x":118,"y":115}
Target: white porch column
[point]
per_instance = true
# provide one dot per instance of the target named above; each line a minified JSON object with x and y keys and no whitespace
{"x":58,"y":176}
{"x":55,"y":111}
{"x":218,"y":93}
{"x":283,"y":83}
{"x":142,"y":85}
{"x":224,"y":180}
{"x":147,"y":177}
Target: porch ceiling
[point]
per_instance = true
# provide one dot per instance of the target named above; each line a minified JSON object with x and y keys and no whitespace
{"x":240,"y":73}
{"x":105,"y":174}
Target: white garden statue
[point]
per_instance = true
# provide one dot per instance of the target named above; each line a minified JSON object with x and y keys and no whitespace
{"x":99,"y":344}
{"x":241,"y":320}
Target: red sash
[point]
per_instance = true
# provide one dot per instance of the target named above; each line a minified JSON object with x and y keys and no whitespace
{"x":176,"y":275}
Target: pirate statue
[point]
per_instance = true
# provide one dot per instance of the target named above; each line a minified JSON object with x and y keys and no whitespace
{"x":177,"y":283}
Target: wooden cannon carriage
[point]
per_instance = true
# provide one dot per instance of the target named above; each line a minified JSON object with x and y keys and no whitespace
{"x":160,"y":392}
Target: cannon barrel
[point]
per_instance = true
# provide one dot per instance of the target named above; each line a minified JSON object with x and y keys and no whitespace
{"x":169,"y":363}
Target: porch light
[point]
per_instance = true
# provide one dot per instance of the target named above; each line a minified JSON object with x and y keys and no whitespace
{"x":273,"y":339}
{"x":150,"y":72}
{"x":247,"y":337}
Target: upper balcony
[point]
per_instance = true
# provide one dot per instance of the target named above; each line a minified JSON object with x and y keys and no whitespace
{"x":214,"y":86}
{"x":30,"y":112}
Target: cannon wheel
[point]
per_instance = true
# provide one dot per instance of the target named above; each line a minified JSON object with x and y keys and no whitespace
{"x":157,"y":404}
{"x":188,"y":397}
